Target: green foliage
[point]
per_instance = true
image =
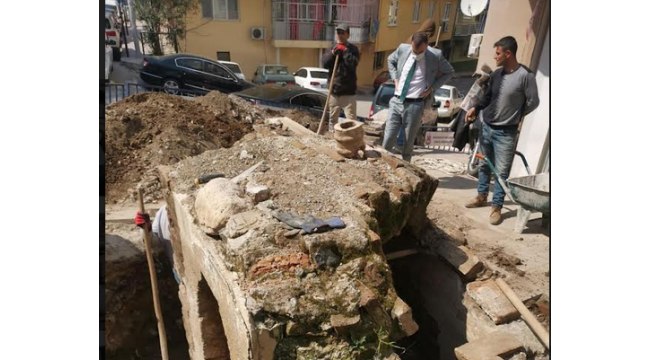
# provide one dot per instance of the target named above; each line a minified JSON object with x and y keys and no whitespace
{"x":164,"y":16}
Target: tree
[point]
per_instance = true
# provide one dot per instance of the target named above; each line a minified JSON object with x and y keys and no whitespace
{"x":158,"y":14}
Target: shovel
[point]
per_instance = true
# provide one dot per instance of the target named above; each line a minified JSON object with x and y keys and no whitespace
{"x":321,"y":127}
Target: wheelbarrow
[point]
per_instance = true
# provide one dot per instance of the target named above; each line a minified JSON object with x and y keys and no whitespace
{"x":530,"y":192}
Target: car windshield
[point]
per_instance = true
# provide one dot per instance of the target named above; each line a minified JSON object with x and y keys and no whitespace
{"x":443,"y":92}
{"x":319,"y":74}
{"x":265,"y":92}
{"x":386,"y":93}
{"x":277,"y":70}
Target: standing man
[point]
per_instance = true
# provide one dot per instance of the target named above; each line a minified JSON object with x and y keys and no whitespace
{"x":511,"y":95}
{"x":418,"y":71}
{"x":345,"y":79}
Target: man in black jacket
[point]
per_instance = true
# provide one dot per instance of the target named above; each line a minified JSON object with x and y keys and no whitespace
{"x":344,"y":88}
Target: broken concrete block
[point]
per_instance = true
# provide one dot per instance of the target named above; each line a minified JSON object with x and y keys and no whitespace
{"x":402,"y":313}
{"x":342,"y":323}
{"x":258,"y":193}
{"x":217,"y":201}
{"x":494,"y":344}
{"x":493,"y":301}
{"x":367,"y":297}
{"x":239,"y":224}
{"x":273,"y":121}
{"x":461,"y":258}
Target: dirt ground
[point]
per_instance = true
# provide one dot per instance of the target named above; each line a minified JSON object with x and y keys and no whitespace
{"x":522,"y":259}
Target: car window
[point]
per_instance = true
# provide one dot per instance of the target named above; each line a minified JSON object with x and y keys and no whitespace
{"x":302,"y":73}
{"x":232,"y":67}
{"x":385,"y":94}
{"x":454,"y":93}
{"x":217,"y":70}
{"x":107,"y":23}
{"x":319,"y":74}
{"x":277,"y":70}
{"x":195,"y":64}
{"x":442,"y":92}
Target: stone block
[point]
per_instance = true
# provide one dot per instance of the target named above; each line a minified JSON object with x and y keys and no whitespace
{"x":494,"y":344}
{"x":404,"y":316}
{"x":258,"y":193}
{"x":493,"y":301}
{"x":217,"y":201}
{"x":342,"y":323}
{"x":462,"y":259}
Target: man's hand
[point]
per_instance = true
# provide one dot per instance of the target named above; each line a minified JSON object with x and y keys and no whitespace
{"x":427,"y":92}
{"x":471,"y":115}
{"x":339,"y":49}
{"x":142,"y":220}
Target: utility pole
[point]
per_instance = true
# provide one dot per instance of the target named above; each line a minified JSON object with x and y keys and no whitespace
{"x":134,"y":31}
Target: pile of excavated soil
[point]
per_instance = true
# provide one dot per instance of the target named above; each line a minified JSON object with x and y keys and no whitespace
{"x":151,"y":129}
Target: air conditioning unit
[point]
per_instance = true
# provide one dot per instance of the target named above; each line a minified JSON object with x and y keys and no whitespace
{"x":474,"y":46}
{"x":258,"y":33}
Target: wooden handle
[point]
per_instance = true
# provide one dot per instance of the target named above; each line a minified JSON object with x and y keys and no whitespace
{"x":321,"y":129}
{"x":162,"y":335}
{"x":528,"y":317}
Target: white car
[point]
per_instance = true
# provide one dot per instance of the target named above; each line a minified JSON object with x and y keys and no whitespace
{"x":112,"y":31}
{"x":235,"y":68}
{"x":450,"y":100}
{"x":313,"y":78}
{"x":108,"y":60}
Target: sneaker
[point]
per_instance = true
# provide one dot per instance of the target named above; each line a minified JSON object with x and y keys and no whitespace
{"x":495,"y":215}
{"x":479,"y":201}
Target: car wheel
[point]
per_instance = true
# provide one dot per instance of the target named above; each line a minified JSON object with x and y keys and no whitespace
{"x":117,"y":54}
{"x":171,"y":86}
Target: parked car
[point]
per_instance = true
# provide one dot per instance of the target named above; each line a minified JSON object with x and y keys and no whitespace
{"x":184,"y":71}
{"x":108,"y":59}
{"x":287,"y":96}
{"x":313,"y":78}
{"x":112,"y":31}
{"x":380,"y":79}
{"x":450,"y":100}
{"x":235,"y":68}
{"x":273,"y":74}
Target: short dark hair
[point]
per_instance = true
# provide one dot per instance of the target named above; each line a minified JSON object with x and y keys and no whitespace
{"x":507,"y":43}
{"x":420,"y":38}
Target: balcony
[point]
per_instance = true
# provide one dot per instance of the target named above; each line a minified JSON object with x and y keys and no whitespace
{"x":316,"y":31}
{"x":316,"y":20}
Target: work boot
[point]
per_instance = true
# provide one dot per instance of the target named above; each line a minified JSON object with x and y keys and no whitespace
{"x":479,"y":201}
{"x":495,"y":215}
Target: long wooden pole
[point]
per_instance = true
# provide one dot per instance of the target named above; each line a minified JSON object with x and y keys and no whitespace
{"x":528,"y":317}
{"x":321,"y":128}
{"x":438,"y":37}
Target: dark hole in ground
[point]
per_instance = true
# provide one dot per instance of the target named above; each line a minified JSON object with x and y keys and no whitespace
{"x":215,"y":344}
{"x":424,"y":343}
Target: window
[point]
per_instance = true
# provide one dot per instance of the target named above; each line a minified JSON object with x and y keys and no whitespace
{"x":217,"y":70}
{"x":319,"y":74}
{"x":276,"y":70}
{"x":445,"y":17}
{"x":392,"y":13}
{"x":220,"y":9}
{"x":379,"y":60}
{"x":233,"y":67}
{"x":432,"y":6}
{"x":107,"y":24}
{"x":279,"y":11}
{"x":447,"y":12}
{"x":416,"y":12}
{"x":302,"y":73}
{"x":194,"y":64}
{"x":223,"y":55}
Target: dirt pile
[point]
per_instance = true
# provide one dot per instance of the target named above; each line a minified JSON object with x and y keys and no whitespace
{"x":151,"y":129}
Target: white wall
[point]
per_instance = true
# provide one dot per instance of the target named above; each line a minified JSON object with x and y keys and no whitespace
{"x":536,"y":125}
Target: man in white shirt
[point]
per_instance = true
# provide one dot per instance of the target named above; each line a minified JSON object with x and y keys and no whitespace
{"x":418,"y":71}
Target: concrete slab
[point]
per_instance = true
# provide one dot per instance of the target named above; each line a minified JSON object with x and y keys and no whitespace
{"x":494,"y":344}
{"x":492,"y":300}
{"x":461,"y":259}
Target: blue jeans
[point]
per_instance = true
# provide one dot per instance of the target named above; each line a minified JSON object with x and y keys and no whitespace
{"x":406,"y":117}
{"x":498,"y":145}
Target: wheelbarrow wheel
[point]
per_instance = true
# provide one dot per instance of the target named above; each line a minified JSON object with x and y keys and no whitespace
{"x":473,"y":164}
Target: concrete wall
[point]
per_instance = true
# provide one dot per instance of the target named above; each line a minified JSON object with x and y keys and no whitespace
{"x":535,"y":129}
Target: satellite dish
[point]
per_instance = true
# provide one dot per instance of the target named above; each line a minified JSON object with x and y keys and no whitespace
{"x":472,"y":7}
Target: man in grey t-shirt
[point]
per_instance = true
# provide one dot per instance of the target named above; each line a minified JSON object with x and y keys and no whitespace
{"x":511,"y":94}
